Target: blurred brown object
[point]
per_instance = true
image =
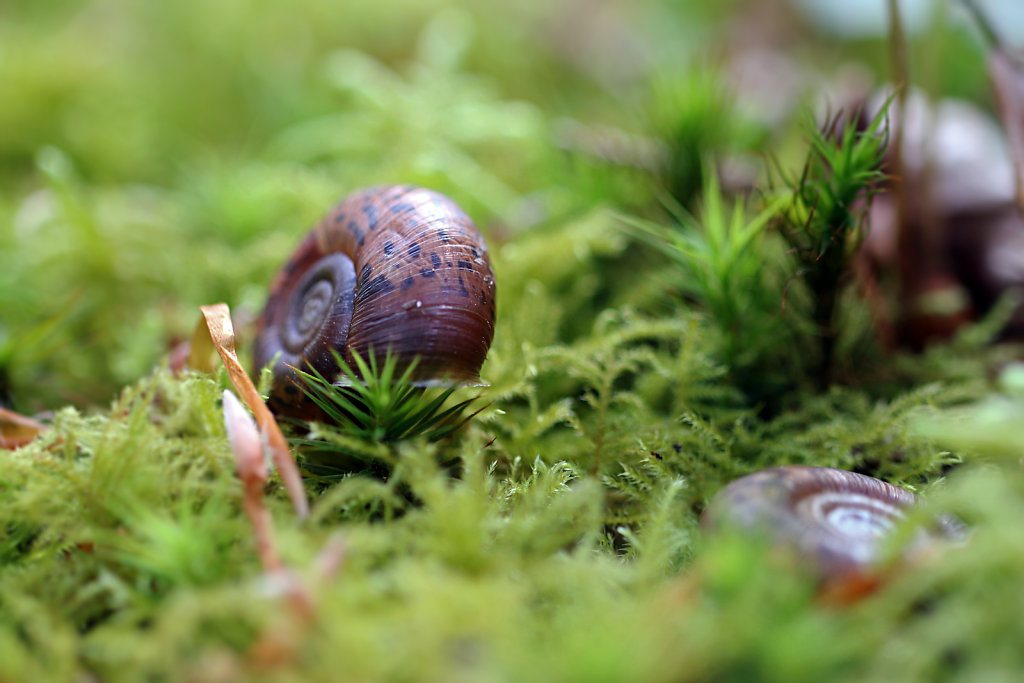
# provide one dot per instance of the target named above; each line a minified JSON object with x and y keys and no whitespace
{"x":986,"y":247}
{"x":17,"y":430}
{"x":948,"y":225}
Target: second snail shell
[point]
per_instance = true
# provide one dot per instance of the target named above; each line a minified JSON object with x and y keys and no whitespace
{"x":397,"y":270}
{"x":835,"y":520}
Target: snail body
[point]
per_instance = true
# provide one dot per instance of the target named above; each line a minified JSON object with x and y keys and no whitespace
{"x":396,"y":270}
{"x":835,"y":520}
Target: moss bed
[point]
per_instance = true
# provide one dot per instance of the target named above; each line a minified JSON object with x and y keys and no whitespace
{"x":657,"y":337}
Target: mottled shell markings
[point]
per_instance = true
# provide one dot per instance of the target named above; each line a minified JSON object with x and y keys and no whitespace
{"x":417,"y":281}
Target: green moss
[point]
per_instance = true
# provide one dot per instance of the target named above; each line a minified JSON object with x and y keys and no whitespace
{"x":160,"y":156}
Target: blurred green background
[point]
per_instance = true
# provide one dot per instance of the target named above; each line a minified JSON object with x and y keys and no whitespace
{"x":158,"y":156}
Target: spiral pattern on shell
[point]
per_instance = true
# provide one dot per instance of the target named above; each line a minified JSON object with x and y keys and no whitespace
{"x":836,"y":519}
{"x":396,"y":269}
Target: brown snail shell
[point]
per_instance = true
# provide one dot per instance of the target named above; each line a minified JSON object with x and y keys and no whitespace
{"x":835,"y":520}
{"x":395,"y":269}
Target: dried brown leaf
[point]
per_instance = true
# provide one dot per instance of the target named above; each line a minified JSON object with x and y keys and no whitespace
{"x":222,"y":335}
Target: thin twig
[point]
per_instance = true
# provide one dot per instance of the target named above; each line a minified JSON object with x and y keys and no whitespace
{"x":907,"y":241}
{"x":247,"y":445}
{"x":217,"y":318}
{"x":984,"y":24}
